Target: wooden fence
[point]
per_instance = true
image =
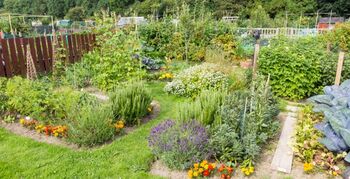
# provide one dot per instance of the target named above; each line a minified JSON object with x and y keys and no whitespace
{"x":13,"y":52}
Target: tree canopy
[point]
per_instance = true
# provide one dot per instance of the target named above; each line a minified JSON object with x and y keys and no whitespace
{"x":219,"y":8}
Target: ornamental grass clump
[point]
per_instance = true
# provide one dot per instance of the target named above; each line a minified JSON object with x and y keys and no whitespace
{"x":91,"y":125}
{"x":204,"y":109}
{"x":130,"y":103}
{"x":180,"y":144}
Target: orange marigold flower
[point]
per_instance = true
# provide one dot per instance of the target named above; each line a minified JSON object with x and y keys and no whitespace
{"x":230,"y":169}
{"x":223,"y":176}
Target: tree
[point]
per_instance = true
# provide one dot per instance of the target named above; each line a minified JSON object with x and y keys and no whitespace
{"x":341,"y":7}
{"x":39,"y":7}
{"x":76,"y":14}
{"x":56,"y":8}
{"x":18,"y":6}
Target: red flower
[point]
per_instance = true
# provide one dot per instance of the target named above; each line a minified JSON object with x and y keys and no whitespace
{"x":223,"y":176}
{"x":206,"y":173}
{"x":210,"y":167}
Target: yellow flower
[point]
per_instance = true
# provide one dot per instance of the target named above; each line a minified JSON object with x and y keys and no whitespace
{"x":204,"y":162}
{"x":168,"y":75}
{"x":190,"y":174}
{"x":149,"y":109}
{"x":195,"y":174}
{"x":334,"y":173}
{"x":119,"y":125}
{"x":200,"y":170}
{"x":247,"y":173}
{"x":214,"y":165}
{"x":308,"y":167}
{"x":251,"y":169}
{"x":196,"y":165}
{"x":206,"y":166}
{"x":55,"y":134}
{"x":21,"y":121}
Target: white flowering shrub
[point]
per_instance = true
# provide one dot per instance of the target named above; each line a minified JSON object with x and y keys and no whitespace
{"x":192,"y":81}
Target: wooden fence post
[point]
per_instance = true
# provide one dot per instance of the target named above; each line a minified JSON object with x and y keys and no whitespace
{"x":339,"y":67}
{"x":256,"y":56}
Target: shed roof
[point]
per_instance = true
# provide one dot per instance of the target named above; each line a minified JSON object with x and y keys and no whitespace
{"x":331,"y":20}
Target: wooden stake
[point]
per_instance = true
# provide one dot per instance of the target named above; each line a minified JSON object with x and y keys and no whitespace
{"x":328,"y":47}
{"x":256,"y":56}
{"x":339,"y":67}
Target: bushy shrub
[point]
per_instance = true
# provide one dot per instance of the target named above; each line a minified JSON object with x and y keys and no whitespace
{"x":3,"y":96}
{"x":192,"y":81}
{"x":341,"y":36}
{"x":248,"y":118}
{"x":188,"y":40}
{"x":300,"y":67}
{"x":91,"y":125}
{"x":205,"y":108}
{"x":294,"y":73}
{"x":40,"y":101}
{"x":130,"y":103}
{"x":179,"y":145}
{"x":228,"y":44}
{"x":67,"y":99}
{"x":112,"y":62}
{"x":30,"y":98}
{"x":78,"y":75}
{"x":155,"y":37}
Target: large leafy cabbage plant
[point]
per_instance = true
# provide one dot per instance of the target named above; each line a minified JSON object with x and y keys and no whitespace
{"x":335,"y":105}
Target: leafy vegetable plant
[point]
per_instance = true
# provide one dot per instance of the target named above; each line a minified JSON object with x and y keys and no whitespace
{"x":334,"y":104}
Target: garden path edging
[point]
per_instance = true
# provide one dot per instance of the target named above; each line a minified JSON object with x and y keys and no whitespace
{"x":283,"y":157}
{"x":18,"y":129}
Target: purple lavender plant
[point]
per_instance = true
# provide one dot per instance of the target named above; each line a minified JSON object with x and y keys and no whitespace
{"x":155,"y":139}
{"x":179,"y":145}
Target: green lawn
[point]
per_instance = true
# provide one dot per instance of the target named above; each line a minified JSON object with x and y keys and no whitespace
{"x":127,"y":157}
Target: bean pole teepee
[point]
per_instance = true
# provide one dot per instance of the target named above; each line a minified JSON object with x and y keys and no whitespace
{"x":31,"y":70}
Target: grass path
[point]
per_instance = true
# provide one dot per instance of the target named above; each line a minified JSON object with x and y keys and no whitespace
{"x":127,"y":157}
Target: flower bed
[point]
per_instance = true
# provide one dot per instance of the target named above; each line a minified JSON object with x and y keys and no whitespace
{"x":65,"y":113}
{"x":231,"y":134}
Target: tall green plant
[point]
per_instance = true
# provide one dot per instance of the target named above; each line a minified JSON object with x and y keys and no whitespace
{"x":248,"y":119}
{"x":130,"y":103}
{"x":204,"y":109}
{"x":113,"y":63}
{"x":294,"y":67}
{"x":91,"y":125}
{"x":3,"y":96}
